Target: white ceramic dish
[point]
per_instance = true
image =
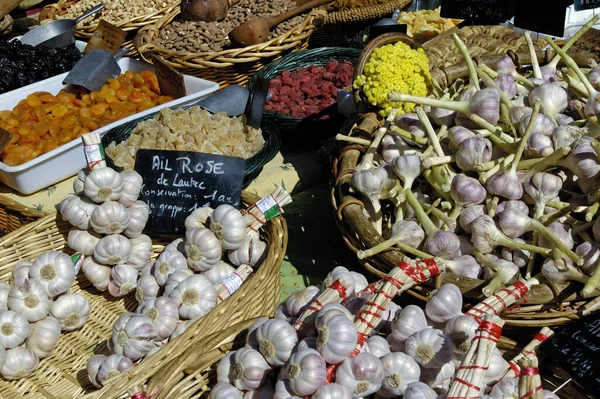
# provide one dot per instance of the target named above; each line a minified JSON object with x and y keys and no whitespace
{"x":68,"y":159}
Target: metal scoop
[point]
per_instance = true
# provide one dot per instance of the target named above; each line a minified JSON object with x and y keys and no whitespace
{"x":57,"y":33}
{"x":94,"y":69}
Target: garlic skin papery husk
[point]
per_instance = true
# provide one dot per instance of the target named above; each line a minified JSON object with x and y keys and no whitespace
{"x":305,"y":372}
{"x":299,"y":300}
{"x":332,"y":391}
{"x":513,"y":204}
{"x":458,"y":134}
{"x":399,"y":370}
{"x":224,"y":390}
{"x":77,"y":210}
{"x":329,"y":310}
{"x":30,"y":300}
{"x":218,"y":272}
{"x":460,"y":330}
{"x":245,"y":369}
{"x":110,"y":218}
{"x":363,"y":374}
{"x":496,"y":368}
{"x":14,"y":329}
{"x":340,"y":272}
{"x":103,"y":184}
{"x":147,"y":289}
{"x":97,"y":274}
{"x":540,"y":144}
{"x":139,"y":213}
{"x":55,"y":271}
{"x":436,"y":378}
{"x":565,"y":136}
{"x":83,"y":241}
{"x":543,"y":124}
{"x":445,"y":304}
{"x":113,"y":250}
{"x":472,"y":152}
{"x":276,"y":341}
{"x":166,"y":264}
{"x":163,"y":313}
{"x":410,"y":320}
{"x":250,"y":252}
{"x":443,"y":244}
{"x":132,"y":186}
{"x":378,"y":346}
{"x":4,"y":290}
{"x":20,"y":362}
{"x":79,"y":181}
{"x":430,"y":348}
{"x":251,"y":335}
{"x":43,"y":336}
{"x":519,"y":257}
{"x":194,"y":296}
{"x":198,"y":218}
{"x":203,"y":249}
{"x":229,"y":226}
{"x":132,"y":335}
{"x":543,"y":187}
{"x":407,"y":167}
{"x":590,"y":253}
{"x":360,"y":282}
{"x":468,"y":215}
{"x":92,"y":367}
{"x":507,"y":84}
{"x":112,"y":366}
{"x":174,"y":279}
{"x":71,"y":311}
{"x":176,"y":245}
{"x":553,"y":98}
{"x":337,"y":338}
{"x":123,"y":280}
{"x":419,"y":390}
{"x":141,"y":251}
{"x":505,"y":388}
{"x":264,"y":392}
{"x":20,"y":273}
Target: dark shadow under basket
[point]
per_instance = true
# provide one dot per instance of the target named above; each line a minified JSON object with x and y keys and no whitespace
{"x":305,"y":133}
{"x":254,"y":164}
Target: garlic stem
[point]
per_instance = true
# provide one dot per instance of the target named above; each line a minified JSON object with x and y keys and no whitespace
{"x":367,"y":161}
{"x":491,"y":204}
{"x":436,"y":213}
{"x":498,"y":133}
{"x":483,"y":177}
{"x":433,"y":139}
{"x":437,"y":161}
{"x":556,"y":59}
{"x":502,"y":277}
{"x":528,"y":130}
{"x":436,"y":86}
{"x":425,"y":221}
{"x":591,"y":212}
{"x":431,"y":177}
{"x":502,"y":162}
{"x":518,"y":77}
{"x":537,"y":73}
{"x":593,"y":282}
{"x":488,"y":81}
{"x":525,"y":164}
{"x":349,"y":139}
{"x":531,"y":261}
{"x":390,"y":242}
{"x":507,"y":148}
{"x":473,"y":80}
{"x":550,"y":160}
{"x":407,"y":135}
{"x":561,"y":246}
{"x":507,"y":242}
{"x":574,"y":67}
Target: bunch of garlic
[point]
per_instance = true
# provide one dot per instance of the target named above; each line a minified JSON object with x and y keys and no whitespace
{"x":35,"y":307}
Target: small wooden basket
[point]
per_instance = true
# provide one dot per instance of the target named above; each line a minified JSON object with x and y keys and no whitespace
{"x":63,"y":374}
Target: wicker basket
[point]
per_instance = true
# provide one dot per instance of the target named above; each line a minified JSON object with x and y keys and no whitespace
{"x":546,"y":304}
{"x":63,"y":374}
{"x":231,"y":66}
{"x":359,"y":14}
{"x":14,"y":215}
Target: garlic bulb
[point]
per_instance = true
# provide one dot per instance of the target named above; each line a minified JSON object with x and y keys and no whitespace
{"x":78,"y":183}
{"x":265,"y":392}
{"x":112,"y":366}
{"x":399,"y":370}
{"x":55,"y":271}
{"x":246,"y":369}
{"x":43,"y":337}
{"x":71,"y":311}
{"x":123,"y":280}
{"x":305,"y":372}
{"x":496,"y":368}
{"x":177,"y":277}
{"x":176,"y":245}
{"x":77,"y":210}
{"x":30,"y":300}
{"x":4,"y":290}
{"x":202,"y":248}
{"x":444,"y":304}
{"x":110,"y":218}
{"x":340,"y":272}
{"x":378,"y":346}
{"x":436,"y":378}
{"x":332,"y":391}
{"x":166,"y":264}
{"x":468,"y":215}
{"x":506,"y":388}
{"x":419,"y":390}
{"x":249,"y":252}
{"x":276,"y":340}
{"x":251,"y":334}
{"x":132,"y":186}
{"x":20,"y":273}
{"x":218,"y":272}
{"x":430,"y":348}
{"x":360,"y":282}
{"x":14,"y":329}
{"x":181,"y":328}
{"x":307,"y":343}
{"x":141,"y":251}
{"x":92,"y":367}
{"x":299,"y":300}
{"x":229,"y":226}
{"x":337,"y":338}
{"x":132,"y":335}
{"x":282,"y":390}
{"x":147,"y":289}
{"x":328,"y":311}
{"x":156,"y":346}
{"x":363,"y":374}
{"x":194,"y":296}
{"x":163,"y":313}
{"x":461,"y":330}
{"x":198,"y":218}
{"x":139,"y":212}
{"x":103,"y":184}
{"x":83,"y":241}
{"x":224,"y":390}
{"x":410,"y":320}
{"x":113,"y":250}
{"x":20,"y":362}
{"x":97,"y":274}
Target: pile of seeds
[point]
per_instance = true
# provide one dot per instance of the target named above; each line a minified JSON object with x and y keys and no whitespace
{"x":116,"y":11}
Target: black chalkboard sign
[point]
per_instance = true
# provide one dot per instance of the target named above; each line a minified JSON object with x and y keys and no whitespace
{"x":539,"y":16}
{"x":479,"y":12}
{"x":586,"y":4}
{"x":576,"y":348}
{"x":177,"y":182}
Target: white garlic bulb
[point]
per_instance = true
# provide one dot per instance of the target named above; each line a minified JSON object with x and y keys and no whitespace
{"x":112,"y":366}
{"x":93,"y":366}
{"x":251,"y":334}
{"x":299,"y":300}
{"x":20,"y":362}
{"x":71,"y":311}
{"x":332,"y":391}
{"x":276,"y":340}
{"x":399,"y":370}
{"x":410,"y":320}
{"x":176,"y":245}
{"x":195,"y":296}
{"x":79,"y":181}
{"x":141,"y":251}
{"x":378,"y":346}
{"x":363,"y":374}
{"x":229,"y":226}
{"x":328,"y":311}
{"x":110,"y":218}
{"x":4,"y":290}
{"x":43,"y":337}
{"x":360,"y":282}
{"x":77,"y":210}
{"x":430,"y":348}
{"x":167,"y":263}
{"x":132,"y":335}
{"x":340,"y":272}
{"x":30,"y":300}
{"x":246,"y":369}
{"x":14,"y":329}
{"x":461,"y":330}
{"x":436,"y":378}
{"x":97,"y":274}
{"x":419,"y":390}
{"x":123,"y":280}
{"x":147,"y":289}
{"x":139,"y":212}
{"x":249,"y":252}
{"x":218,"y":272}
{"x":305,"y":372}
{"x":83,"y":241}
{"x":337,"y":338}
{"x":444,"y":304}
{"x":163,"y":313}
{"x":496,"y":368}
{"x":103,"y":184}
{"x":202,"y":248}
{"x":282,"y":390}
{"x":198,"y":218}
{"x":55,"y":271}
{"x":132,"y":186}
{"x":224,"y":390}
{"x":177,"y":277}
{"x":113,"y":250}
{"x":20,"y":273}
{"x":264,"y":392}
{"x":181,"y":328}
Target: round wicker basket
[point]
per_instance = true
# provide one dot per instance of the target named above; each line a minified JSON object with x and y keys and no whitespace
{"x":63,"y":374}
